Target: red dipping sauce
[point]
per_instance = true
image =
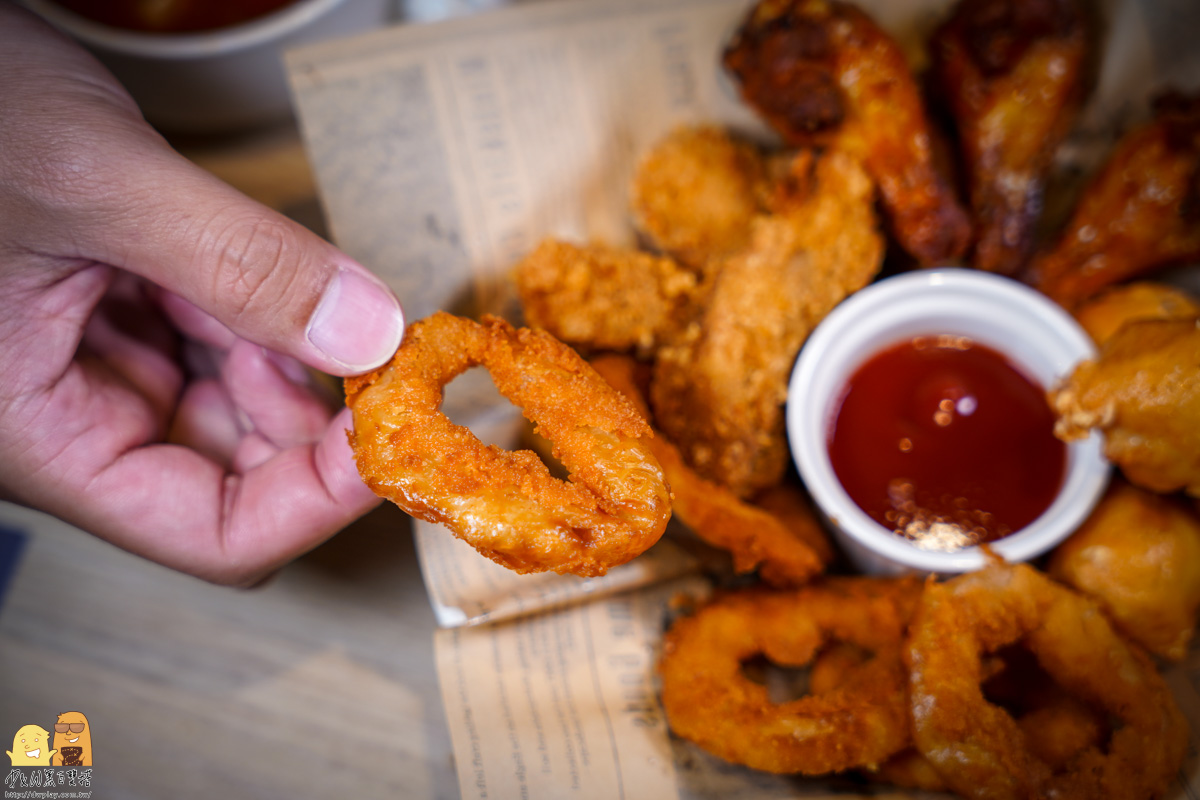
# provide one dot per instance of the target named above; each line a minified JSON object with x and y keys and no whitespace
{"x":945,"y":442}
{"x":172,"y":16}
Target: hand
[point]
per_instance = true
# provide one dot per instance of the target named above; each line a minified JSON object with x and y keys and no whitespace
{"x":153,"y":323}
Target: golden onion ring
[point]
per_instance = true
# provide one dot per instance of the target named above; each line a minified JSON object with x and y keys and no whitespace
{"x":505,"y":503}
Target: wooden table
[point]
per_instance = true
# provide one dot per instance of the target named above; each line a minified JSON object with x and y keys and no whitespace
{"x":319,"y":684}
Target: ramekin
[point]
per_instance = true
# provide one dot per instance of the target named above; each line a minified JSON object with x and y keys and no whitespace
{"x":1035,"y":334}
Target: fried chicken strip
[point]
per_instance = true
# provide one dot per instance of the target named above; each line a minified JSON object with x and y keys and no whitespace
{"x":718,"y":388}
{"x":1012,"y":75}
{"x":696,"y":192}
{"x":1141,"y":211}
{"x":778,"y":534}
{"x":602,"y":298}
{"x":1143,"y":392}
{"x":822,"y":73}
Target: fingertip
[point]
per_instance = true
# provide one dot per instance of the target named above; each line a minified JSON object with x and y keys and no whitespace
{"x":192,"y":321}
{"x":338,"y":467}
{"x":357,"y":324}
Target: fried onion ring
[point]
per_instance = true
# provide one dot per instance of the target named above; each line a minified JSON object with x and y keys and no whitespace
{"x":861,"y":722}
{"x":504,"y":503}
{"x":977,"y":747}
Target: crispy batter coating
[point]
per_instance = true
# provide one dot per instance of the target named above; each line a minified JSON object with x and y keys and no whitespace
{"x":822,"y":72}
{"x":709,"y":701}
{"x":1138,"y":556}
{"x":718,"y":389}
{"x":1111,"y":309}
{"x":604,"y":298}
{"x":1012,"y":73}
{"x":778,"y":534}
{"x":695,"y":193}
{"x":1141,"y":212}
{"x":909,"y":769}
{"x":977,"y":747}
{"x":1056,"y":725}
{"x":504,"y":503}
{"x":1062,"y":729}
{"x":1143,"y":392}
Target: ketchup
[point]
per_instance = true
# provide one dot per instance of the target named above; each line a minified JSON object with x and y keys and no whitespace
{"x":172,"y":16}
{"x":945,"y":442}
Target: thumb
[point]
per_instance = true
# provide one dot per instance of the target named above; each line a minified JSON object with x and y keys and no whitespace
{"x":87,"y":180}
{"x":268,"y":279}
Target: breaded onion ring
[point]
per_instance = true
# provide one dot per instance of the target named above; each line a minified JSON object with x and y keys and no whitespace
{"x":778,"y":534}
{"x":977,"y":747}
{"x":506,"y":504}
{"x":861,"y":722}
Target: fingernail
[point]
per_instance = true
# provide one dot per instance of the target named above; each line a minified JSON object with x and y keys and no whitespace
{"x":357,"y":323}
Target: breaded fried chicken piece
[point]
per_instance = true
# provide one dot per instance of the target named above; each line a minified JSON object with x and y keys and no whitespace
{"x":1143,"y":392}
{"x":1113,"y":308}
{"x":718,"y":388}
{"x":1012,"y":75}
{"x":778,"y":534}
{"x":695,"y":193}
{"x":823,"y":73}
{"x":603,"y":298}
{"x":1138,"y":556}
{"x":1140,"y":213}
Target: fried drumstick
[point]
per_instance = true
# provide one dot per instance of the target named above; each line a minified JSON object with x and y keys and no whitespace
{"x":823,"y":73}
{"x":1140,"y":213}
{"x":1012,"y":75}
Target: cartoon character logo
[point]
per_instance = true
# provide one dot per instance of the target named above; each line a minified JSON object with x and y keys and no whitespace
{"x":31,"y":747}
{"x":73,"y":740}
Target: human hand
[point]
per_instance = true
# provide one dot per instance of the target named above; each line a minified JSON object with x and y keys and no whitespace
{"x":125,"y":270}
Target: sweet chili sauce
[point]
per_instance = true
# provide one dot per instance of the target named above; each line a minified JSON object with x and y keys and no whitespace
{"x":945,"y":442}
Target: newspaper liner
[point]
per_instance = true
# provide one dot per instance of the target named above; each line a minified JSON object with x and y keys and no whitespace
{"x":443,"y":153}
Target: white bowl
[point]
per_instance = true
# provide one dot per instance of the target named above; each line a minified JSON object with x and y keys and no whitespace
{"x":215,"y":81}
{"x":1034,"y":333}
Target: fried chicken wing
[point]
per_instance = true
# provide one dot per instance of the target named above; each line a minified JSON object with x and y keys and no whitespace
{"x":822,"y":73}
{"x":718,"y":388}
{"x":695,"y":193}
{"x":1143,"y":392}
{"x":603,"y":298}
{"x":1112,"y":309}
{"x":1138,"y":555}
{"x":1140,"y":213}
{"x":1012,"y":75}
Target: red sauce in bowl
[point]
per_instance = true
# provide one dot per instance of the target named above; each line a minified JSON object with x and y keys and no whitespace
{"x":172,"y":16}
{"x":947,"y":443}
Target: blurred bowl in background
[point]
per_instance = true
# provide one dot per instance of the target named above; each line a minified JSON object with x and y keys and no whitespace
{"x":221,"y":80}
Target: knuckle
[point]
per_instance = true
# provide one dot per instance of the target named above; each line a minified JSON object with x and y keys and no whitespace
{"x":255,"y":266}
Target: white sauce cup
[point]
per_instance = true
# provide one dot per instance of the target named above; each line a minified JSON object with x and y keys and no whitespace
{"x":1035,"y":334}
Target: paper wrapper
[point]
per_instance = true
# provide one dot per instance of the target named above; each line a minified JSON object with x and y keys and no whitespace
{"x":443,"y":154}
